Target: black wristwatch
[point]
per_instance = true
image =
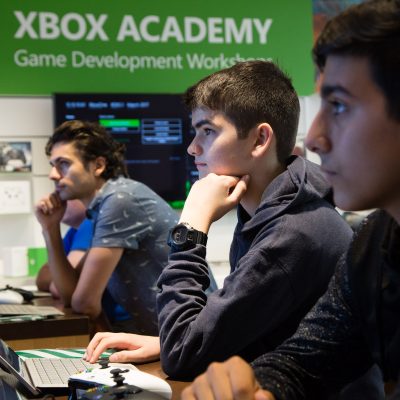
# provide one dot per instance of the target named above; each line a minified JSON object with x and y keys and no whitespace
{"x":183,"y":236}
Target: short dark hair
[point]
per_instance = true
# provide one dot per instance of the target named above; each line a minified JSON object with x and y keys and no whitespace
{"x":369,"y":30}
{"x":92,"y":141}
{"x":249,"y":93}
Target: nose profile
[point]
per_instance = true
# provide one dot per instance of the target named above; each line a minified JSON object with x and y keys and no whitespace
{"x":316,"y":139}
{"x":193,"y":148}
{"x":54,"y":175}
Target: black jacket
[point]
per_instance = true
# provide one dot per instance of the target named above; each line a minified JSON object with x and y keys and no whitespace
{"x":281,"y":262}
{"x":355,"y":324}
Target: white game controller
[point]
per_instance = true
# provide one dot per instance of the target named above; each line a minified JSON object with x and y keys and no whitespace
{"x":149,"y":386}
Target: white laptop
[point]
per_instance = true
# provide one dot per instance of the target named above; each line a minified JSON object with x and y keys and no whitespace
{"x":27,"y":309}
{"x":38,"y":376}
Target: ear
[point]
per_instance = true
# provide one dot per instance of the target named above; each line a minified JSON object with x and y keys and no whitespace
{"x":263,"y":135}
{"x":99,"y":166}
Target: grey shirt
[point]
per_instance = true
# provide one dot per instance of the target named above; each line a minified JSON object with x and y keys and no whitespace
{"x":129,"y":215}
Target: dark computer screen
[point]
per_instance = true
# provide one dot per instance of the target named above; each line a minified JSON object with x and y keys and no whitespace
{"x":155,"y":129}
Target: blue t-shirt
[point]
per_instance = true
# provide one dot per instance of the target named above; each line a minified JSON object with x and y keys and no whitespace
{"x":79,"y":239}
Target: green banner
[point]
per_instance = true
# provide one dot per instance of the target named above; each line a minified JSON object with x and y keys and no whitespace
{"x":146,"y":46}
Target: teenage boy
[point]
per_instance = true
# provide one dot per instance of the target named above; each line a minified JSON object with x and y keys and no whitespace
{"x":357,"y":135}
{"x":130,"y":223}
{"x":286,"y":243}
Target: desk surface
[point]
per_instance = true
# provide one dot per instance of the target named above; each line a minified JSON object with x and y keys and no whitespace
{"x":154,"y":368}
{"x":70,"y":330}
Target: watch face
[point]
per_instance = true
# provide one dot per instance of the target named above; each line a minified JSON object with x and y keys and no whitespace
{"x":183,"y":236}
{"x":179,"y":235}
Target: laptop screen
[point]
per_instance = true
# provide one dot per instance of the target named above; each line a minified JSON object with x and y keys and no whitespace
{"x":10,"y":362}
{"x":9,"y":355}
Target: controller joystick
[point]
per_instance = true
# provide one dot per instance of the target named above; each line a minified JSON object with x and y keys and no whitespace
{"x":116,"y":371}
{"x":104,"y":362}
{"x":119,"y":380}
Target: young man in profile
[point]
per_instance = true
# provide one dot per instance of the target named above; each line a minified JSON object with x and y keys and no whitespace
{"x":357,"y":135}
{"x":130,"y":227}
{"x":286,"y":243}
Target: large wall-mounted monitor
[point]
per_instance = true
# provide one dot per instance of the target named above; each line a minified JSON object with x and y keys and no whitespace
{"x":155,"y":128}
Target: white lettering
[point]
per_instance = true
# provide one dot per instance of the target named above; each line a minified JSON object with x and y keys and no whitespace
{"x":262,"y":29}
{"x":233,"y":34}
{"x":189,"y":23}
{"x":151,"y":28}
{"x":77,"y":59}
{"x":25,"y":25}
{"x":144,"y":28}
{"x":128,"y":29}
{"x":205,"y":62}
{"x":201,"y":61}
{"x":131,"y":63}
{"x":194,"y":60}
{"x":214,"y":29}
{"x":97,"y":27}
{"x":74,"y":18}
{"x":48,"y":25}
{"x":24,"y":59}
{"x":171,"y":30}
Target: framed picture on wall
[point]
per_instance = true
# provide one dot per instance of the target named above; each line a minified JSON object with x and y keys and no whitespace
{"x":15,"y":157}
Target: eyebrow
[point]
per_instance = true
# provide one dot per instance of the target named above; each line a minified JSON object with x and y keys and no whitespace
{"x":202,"y":122}
{"x":56,"y":160}
{"x":326,"y":90}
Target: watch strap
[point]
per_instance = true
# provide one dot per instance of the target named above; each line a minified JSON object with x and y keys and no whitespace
{"x":192,"y":237}
{"x":196,"y":236}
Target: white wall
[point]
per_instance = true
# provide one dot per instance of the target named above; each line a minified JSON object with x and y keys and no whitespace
{"x":26,"y":119}
{"x":31,"y":119}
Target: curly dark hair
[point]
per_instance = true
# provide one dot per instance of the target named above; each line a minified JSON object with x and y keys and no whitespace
{"x":92,"y":141}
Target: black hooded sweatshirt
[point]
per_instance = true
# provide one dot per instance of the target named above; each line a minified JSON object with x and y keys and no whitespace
{"x":281,"y":261}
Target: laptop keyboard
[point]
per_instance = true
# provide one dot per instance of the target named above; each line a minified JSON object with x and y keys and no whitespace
{"x":24,"y":309}
{"x":54,"y":371}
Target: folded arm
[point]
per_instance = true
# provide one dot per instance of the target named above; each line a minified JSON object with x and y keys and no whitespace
{"x":44,"y":279}
{"x":96,"y":269}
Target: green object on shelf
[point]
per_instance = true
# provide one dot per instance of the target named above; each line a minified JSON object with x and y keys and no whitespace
{"x":37,"y":256}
